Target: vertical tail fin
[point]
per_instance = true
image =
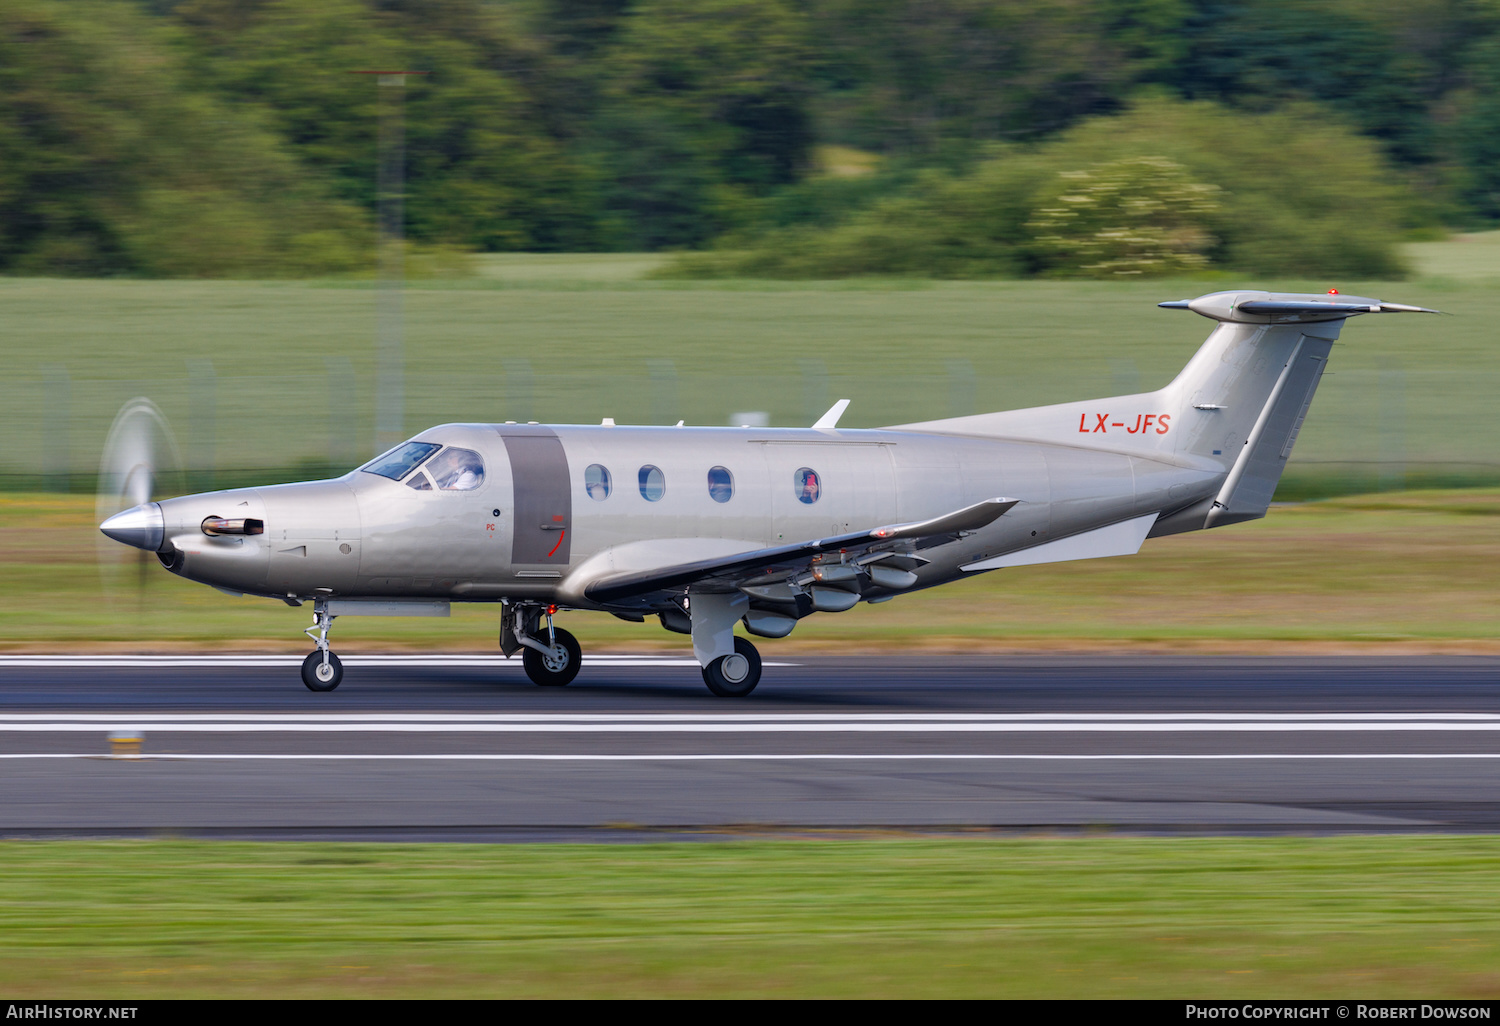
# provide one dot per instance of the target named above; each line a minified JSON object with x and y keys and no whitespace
{"x":1235,"y":409}
{"x":1266,"y":405}
{"x":1257,"y":375}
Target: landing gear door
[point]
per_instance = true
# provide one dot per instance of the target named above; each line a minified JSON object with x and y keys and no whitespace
{"x":543,"y":520}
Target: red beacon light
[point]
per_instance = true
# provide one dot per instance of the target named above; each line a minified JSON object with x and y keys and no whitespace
{"x":1333,"y":292}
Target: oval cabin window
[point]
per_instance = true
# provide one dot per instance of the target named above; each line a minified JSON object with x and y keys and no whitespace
{"x":653,"y":483}
{"x":720,"y":484}
{"x":808,"y":485}
{"x":597,"y":482}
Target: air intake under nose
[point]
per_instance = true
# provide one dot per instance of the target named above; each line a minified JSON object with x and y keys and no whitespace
{"x":142,"y":526}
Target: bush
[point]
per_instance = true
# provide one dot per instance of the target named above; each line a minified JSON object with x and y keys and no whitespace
{"x":1138,"y":216}
{"x":113,"y":167}
{"x":1170,"y":187}
{"x":1303,"y":195}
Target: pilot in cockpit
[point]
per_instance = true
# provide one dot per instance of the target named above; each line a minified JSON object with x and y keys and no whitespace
{"x":457,"y":470}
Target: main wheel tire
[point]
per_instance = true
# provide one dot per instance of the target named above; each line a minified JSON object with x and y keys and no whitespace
{"x":318,"y":677}
{"x":559,"y":668}
{"x":735,"y":675}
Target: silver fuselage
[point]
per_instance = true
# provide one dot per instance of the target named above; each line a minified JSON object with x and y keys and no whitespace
{"x":533,"y":531}
{"x":1080,"y":480}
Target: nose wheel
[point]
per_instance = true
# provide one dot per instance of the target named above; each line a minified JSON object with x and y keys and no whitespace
{"x":321,"y":670}
{"x":558,"y":664}
{"x":319,"y":675}
{"x":734,"y":675}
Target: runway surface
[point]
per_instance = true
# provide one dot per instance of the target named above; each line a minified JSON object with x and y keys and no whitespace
{"x":466,"y":748}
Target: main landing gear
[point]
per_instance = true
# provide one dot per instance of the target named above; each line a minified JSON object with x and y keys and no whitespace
{"x":321,"y":670}
{"x":731,"y":665}
{"x":552,"y":656}
{"x":734,"y":675}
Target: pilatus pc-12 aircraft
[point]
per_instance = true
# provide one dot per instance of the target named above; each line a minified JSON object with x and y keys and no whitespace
{"x":706,"y":528}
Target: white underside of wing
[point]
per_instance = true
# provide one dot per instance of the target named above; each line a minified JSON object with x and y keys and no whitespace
{"x":652,"y":554}
{"x":1122,"y":539}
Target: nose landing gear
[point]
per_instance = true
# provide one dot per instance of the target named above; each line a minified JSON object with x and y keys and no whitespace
{"x":550,"y":655}
{"x":557,"y":666}
{"x":321,"y":670}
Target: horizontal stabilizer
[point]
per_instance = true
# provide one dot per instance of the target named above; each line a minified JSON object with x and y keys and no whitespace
{"x":1276,"y":307}
{"x":1122,"y":539}
{"x":1270,"y":307}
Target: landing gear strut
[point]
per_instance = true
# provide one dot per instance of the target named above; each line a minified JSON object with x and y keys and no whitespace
{"x":731,"y":665}
{"x":321,"y":670}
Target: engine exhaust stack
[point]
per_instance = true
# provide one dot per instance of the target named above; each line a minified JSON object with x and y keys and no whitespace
{"x":214,"y":526}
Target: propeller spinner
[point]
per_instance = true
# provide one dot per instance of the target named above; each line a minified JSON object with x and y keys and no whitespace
{"x":139,"y":447}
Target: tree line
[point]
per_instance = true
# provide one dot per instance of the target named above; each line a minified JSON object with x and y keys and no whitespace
{"x":230,"y":137}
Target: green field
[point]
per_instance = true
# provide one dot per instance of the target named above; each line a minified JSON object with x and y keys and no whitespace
{"x":872,"y":917}
{"x":577,"y":338}
{"x":1410,"y":571}
{"x":265,"y":381}
{"x":261,"y":380}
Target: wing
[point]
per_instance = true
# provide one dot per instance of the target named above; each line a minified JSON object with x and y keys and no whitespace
{"x":776,"y":565}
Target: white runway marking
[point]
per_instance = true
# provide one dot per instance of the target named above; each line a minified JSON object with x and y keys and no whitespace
{"x":813,"y":723}
{"x":261,"y":661}
{"x":752,"y":718}
{"x":716,"y":757}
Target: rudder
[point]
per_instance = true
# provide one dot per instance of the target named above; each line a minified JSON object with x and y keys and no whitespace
{"x":1251,"y":482}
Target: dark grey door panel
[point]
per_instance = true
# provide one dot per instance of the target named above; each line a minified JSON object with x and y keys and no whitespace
{"x":543,"y":517}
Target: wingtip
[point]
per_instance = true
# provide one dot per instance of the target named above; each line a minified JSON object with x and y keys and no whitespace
{"x":1404,"y":308}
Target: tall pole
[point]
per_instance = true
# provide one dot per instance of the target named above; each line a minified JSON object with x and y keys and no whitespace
{"x":390,"y":359}
{"x":390,"y":188}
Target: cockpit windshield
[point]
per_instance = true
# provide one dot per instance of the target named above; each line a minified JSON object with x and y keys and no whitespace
{"x":397,"y":463}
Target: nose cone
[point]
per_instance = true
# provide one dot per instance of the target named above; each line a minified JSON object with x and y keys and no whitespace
{"x":142,"y":526}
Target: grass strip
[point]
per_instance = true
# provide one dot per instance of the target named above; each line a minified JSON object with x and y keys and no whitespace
{"x":260,"y":375}
{"x":1411,"y":571}
{"x":1088,"y":917}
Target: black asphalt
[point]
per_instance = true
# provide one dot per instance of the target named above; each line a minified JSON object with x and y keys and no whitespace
{"x":717,"y":773}
{"x":894,"y":682}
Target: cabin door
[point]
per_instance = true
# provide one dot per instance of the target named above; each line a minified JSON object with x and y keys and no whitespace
{"x":543,"y":498}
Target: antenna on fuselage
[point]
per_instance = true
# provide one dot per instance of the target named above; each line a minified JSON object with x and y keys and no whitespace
{"x":830,"y":420}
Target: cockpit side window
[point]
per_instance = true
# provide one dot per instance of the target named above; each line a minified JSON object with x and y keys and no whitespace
{"x":457,"y":470}
{"x":399,"y":462}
